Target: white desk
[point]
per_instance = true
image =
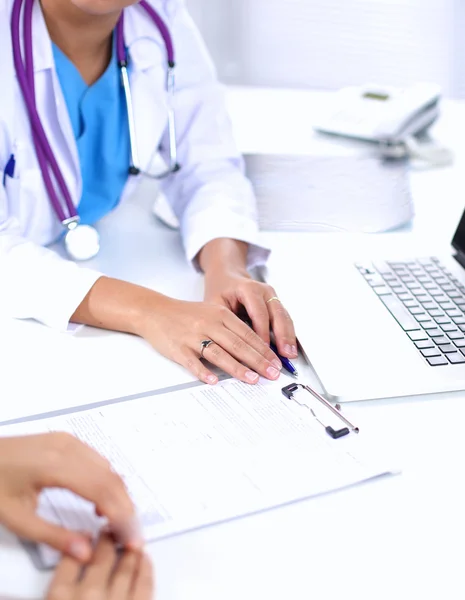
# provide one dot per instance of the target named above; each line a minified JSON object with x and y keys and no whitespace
{"x":399,"y":537}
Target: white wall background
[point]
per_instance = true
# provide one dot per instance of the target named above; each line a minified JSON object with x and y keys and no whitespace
{"x":330,"y":43}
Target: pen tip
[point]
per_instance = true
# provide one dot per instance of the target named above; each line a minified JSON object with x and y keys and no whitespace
{"x":295,"y":373}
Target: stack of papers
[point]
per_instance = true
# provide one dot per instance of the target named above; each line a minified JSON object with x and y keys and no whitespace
{"x":204,"y":454}
{"x":355,"y":194}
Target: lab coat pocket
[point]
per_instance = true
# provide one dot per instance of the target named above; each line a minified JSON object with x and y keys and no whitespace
{"x":27,"y":203}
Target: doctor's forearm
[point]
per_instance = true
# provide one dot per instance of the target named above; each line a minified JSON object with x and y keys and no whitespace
{"x":118,"y":306}
{"x":222,"y":255}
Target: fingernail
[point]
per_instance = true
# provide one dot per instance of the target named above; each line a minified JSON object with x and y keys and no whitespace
{"x":290,"y":350}
{"x":129,"y":533}
{"x":136,"y":538}
{"x":80,"y":550}
{"x":212,"y":380}
{"x":277,"y":363}
{"x":251,"y":376}
{"x":272,"y":372}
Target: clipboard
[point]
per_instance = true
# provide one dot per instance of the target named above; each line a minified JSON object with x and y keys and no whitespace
{"x":335,"y":424}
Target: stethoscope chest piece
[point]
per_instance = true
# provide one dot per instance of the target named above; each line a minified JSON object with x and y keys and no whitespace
{"x":82,"y":242}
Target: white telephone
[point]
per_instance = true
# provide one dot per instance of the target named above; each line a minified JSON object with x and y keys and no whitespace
{"x":391,"y":117}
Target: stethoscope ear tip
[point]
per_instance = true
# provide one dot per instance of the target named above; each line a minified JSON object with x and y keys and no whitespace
{"x":133,"y":170}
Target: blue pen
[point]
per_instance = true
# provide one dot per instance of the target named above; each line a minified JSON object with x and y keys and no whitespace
{"x":9,"y":169}
{"x":285,"y":361}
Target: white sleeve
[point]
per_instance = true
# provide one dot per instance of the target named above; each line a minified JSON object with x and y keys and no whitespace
{"x":35,"y":283}
{"x":210,"y":195}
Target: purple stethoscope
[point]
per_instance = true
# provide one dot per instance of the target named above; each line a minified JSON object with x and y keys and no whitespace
{"x":82,"y":241}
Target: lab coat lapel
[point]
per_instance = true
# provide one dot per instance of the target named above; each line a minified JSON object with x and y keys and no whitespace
{"x":151,"y":112}
{"x":148,"y":65}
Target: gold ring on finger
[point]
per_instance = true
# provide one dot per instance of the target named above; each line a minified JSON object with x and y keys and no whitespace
{"x":273,"y":299}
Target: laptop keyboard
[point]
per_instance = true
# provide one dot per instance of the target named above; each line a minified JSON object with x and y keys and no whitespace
{"x":427,"y":301}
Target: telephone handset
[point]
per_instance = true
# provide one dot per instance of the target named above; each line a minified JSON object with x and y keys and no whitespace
{"x":389,"y":116}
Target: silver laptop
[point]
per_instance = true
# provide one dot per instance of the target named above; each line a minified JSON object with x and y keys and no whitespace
{"x":382,"y":329}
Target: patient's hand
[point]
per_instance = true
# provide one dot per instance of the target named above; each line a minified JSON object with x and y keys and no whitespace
{"x":31,"y":463}
{"x":106,"y":577}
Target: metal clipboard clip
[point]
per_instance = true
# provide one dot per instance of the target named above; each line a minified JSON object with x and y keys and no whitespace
{"x":289,"y":392}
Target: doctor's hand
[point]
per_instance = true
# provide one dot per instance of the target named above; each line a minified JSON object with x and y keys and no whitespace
{"x":238,"y":291}
{"x":58,"y":460}
{"x":106,"y":577}
{"x":227,"y":283}
{"x":177,"y":329}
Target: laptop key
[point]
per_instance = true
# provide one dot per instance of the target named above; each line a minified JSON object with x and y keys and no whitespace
{"x":400,"y":313}
{"x":423,"y":318}
{"x":445,"y":305}
{"x":459,"y":320}
{"x":440,"y":339}
{"x":382,"y":267}
{"x":436,"y":332}
{"x":455,"y":335}
{"x":462,"y":327}
{"x":417,"y":310}
{"x":436,"y":312}
{"x":455,"y":312}
{"x":431,"y":352}
{"x":392,"y":280}
{"x":436,"y":361}
{"x":417,"y":335}
{"x":454,"y":295}
{"x":449,"y":327}
{"x":429,"y":305}
{"x":382,"y":291}
{"x":448,"y":348}
{"x":440,"y":297}
{"x":424,"y":298}
{"x":456,"y":358}
{"x":410,"y":303}
{"x":405,"y":296}
{"x":424,"y":344}
{"x":428,"y":325}
{"x":441,"y":320}
{"x":375,"y":280}
{"x":460,"y":343}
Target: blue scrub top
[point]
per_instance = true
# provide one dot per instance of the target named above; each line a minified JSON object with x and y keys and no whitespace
{"x":100,"y":124}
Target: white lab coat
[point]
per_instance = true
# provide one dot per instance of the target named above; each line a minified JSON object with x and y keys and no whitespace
{"x":210,"y":196}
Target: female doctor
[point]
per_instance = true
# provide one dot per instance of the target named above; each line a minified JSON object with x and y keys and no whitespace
{"x":88,"y":98}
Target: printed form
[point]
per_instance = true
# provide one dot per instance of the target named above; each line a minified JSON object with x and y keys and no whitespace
{"x":204,"y":454}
